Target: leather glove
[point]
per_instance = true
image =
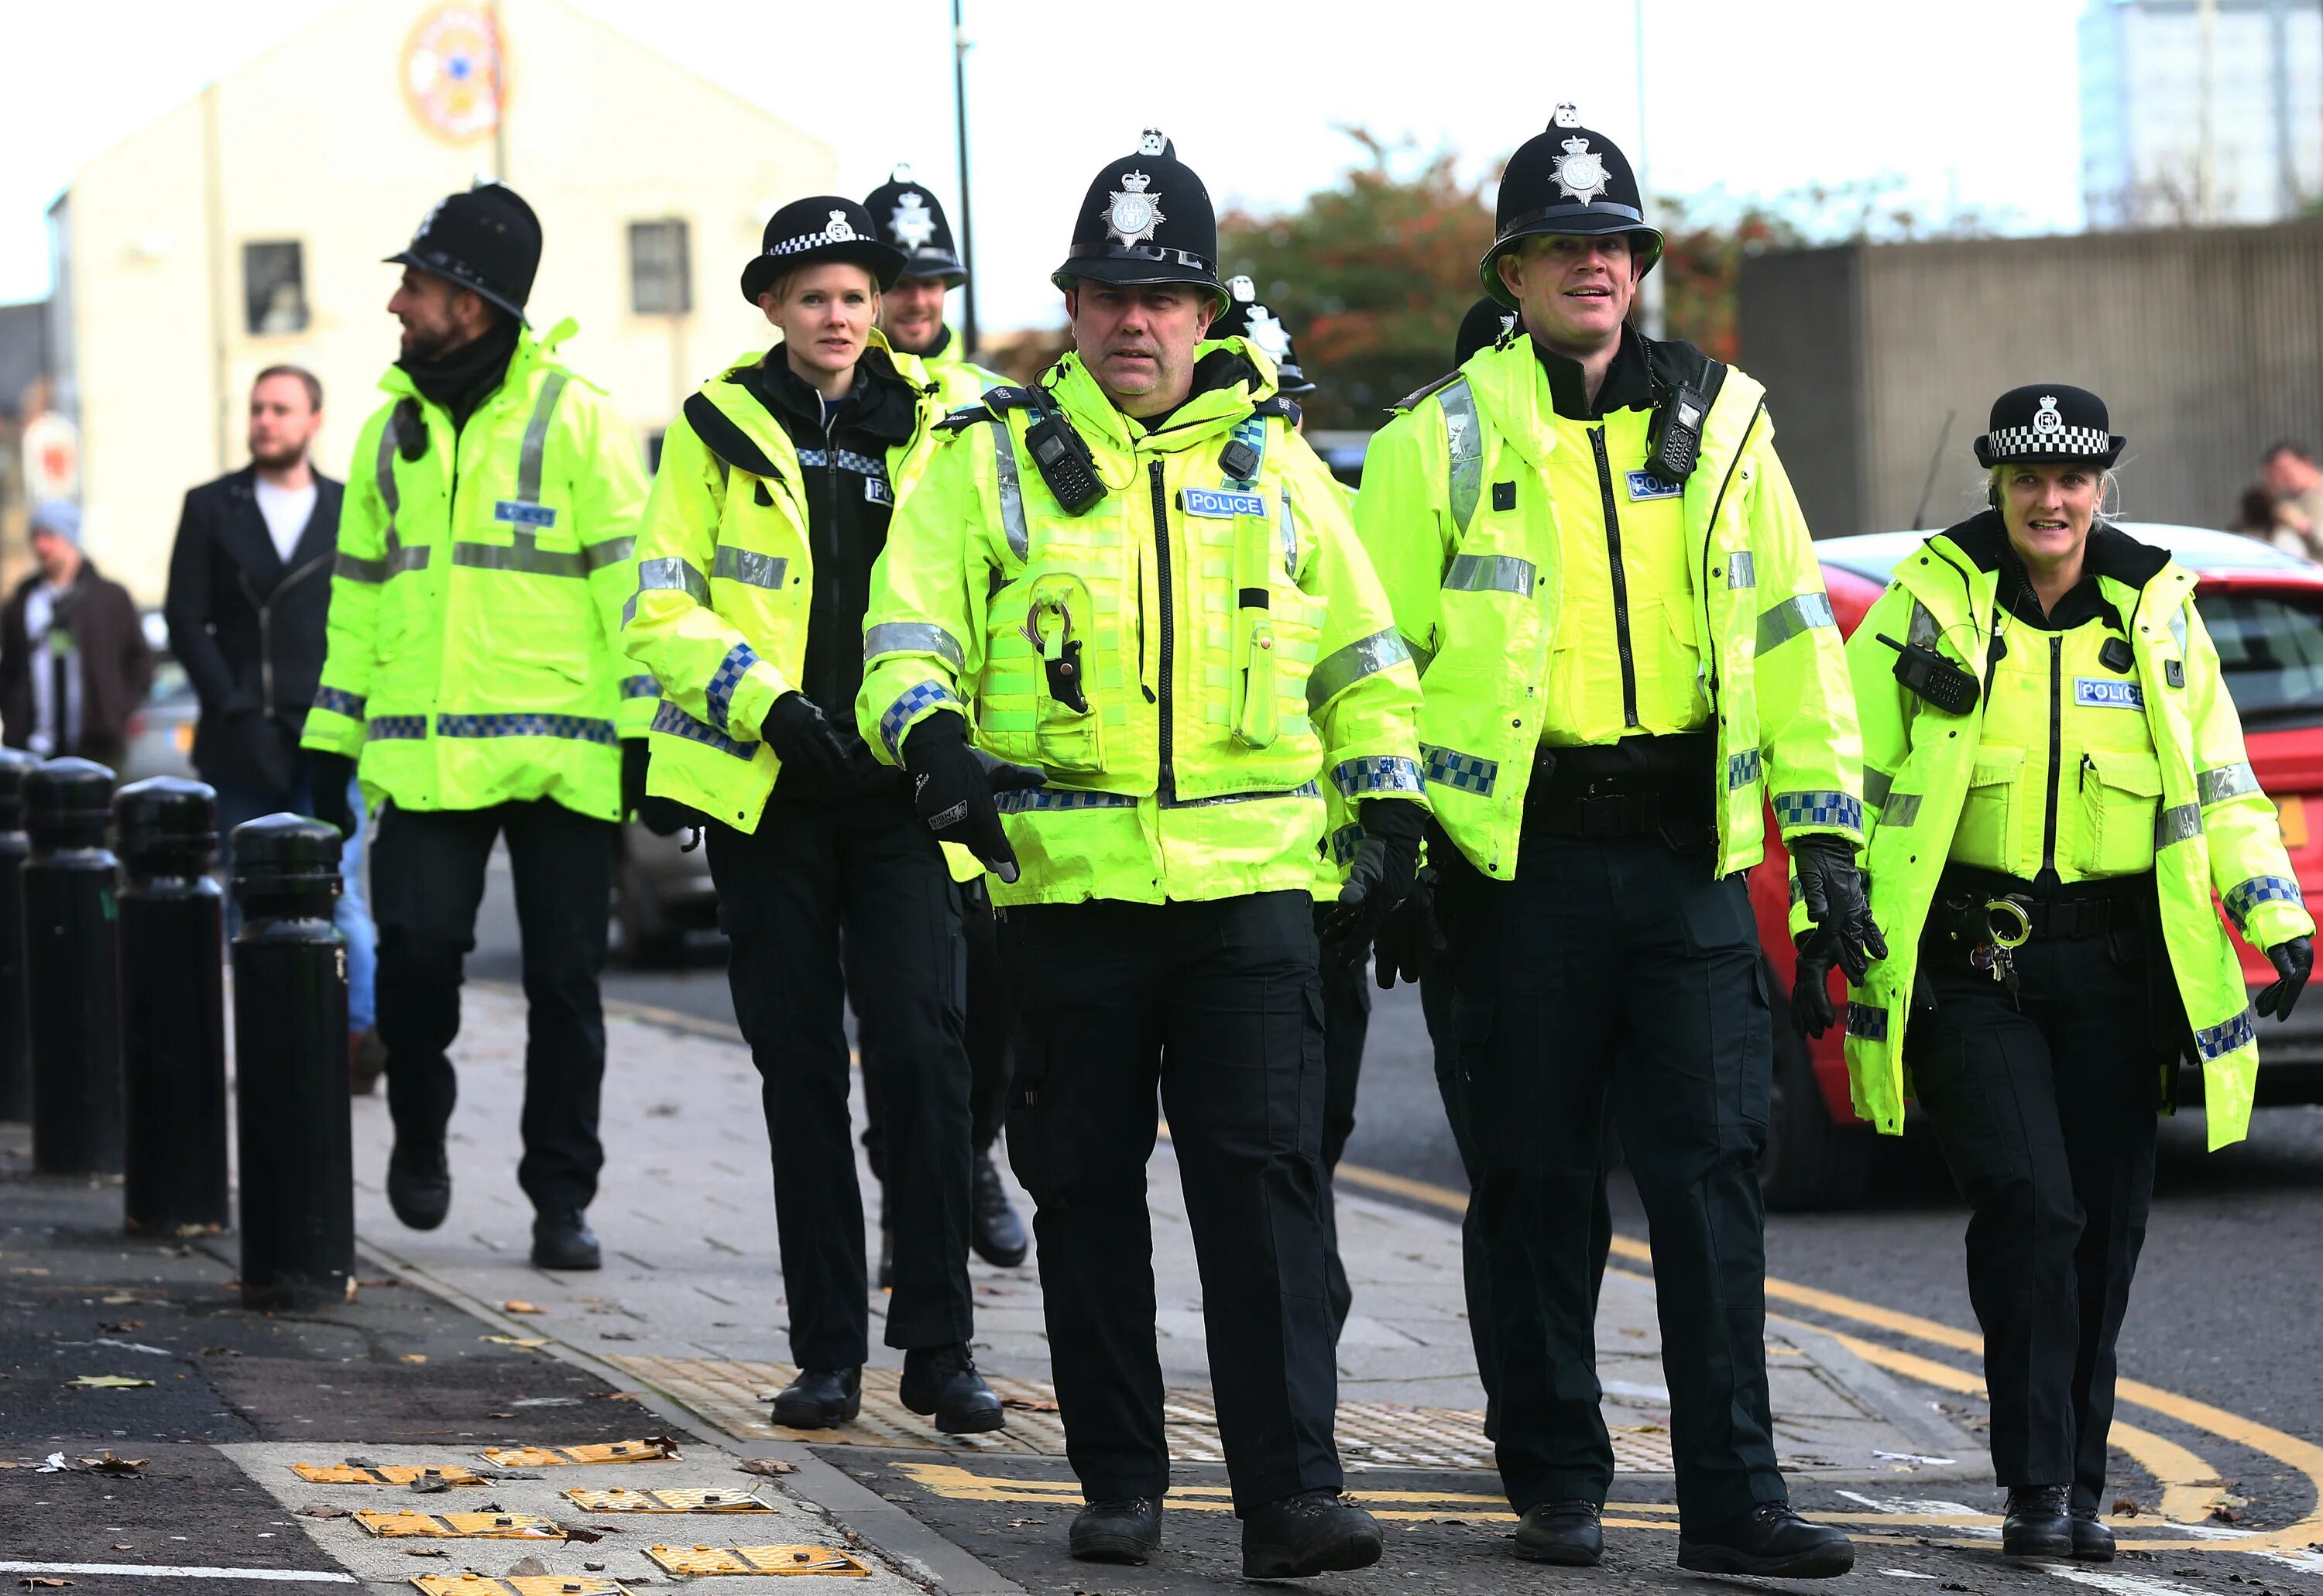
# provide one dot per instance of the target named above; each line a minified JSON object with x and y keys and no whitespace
{"x":633,"y":761}
{"x":800,"y":735}
{"x":1811,"y":1006}
{"x":1409,"y":938}
{"x":1833,"y":887}
{"x":328,"y":775}
{"x":1386,"y":862}
{"x":952,"y":785}
{"x":2293,"y":962}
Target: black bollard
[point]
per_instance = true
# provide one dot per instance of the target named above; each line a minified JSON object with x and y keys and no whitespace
{"x":173,"y":1007}
{"x":291,"y":1067}
{"x":71,"y":964}
{"x":16,"y":1069}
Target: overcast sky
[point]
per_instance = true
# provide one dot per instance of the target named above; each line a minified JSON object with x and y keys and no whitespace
{"x":1971,"y":103}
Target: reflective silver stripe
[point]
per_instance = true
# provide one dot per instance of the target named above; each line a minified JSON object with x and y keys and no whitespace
{"x":912,"y":636}
{"x":2176,"y":825}
{"x":524,"y":554}
{"x":1309,"y":790}
{"x":355,"y":568}
{"x":2228,"y":781}
{"x":388,"y":495}
{"x":1011,"y":490}
{"x":1289,"y":539}
{"x":1742,"y":769}
{"x":747,"y":566}
{"x":1368,"y":774}
{"x":1347,"y":666}
{"x":2177,"y":628}
{"x":1489,"y":573}
{"x":672,"y":573}
{"x":2215,"y":1041}
{"x":1788,"y":619}
{"x":1877,"y":783}
{"x":536,"y":438}
{"x":400,"y":559}
{"x":1464,"y":449}
{"x":613,"y":551}
{"x":1742,"y":570}
{"x":1923,"y":630}
{"x":1902,"y":810}
{"x":1868,"y":1021}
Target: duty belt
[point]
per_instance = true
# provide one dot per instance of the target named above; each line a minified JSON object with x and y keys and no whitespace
{"x":1569,"y":797}
{"x":2085,"y":909}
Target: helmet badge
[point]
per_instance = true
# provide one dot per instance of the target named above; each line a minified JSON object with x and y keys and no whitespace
{"x":1134,"y":214}
{"x":912,"y":222}
{"x":2047,"y":420}
{"x":837,"y":229}
{"x":1580,"y":171}
{"x":1266,"y":330}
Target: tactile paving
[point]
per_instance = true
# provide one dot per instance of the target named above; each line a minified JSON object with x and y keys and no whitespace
{"x":792,"y":1559}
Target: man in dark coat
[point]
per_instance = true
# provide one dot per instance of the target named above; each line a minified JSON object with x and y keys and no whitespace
{"x":74,"y":662}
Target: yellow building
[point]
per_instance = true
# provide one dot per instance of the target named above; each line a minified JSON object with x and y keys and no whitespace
{"x":247,"y":227}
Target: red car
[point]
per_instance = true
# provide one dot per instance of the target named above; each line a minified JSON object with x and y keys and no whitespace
{"x":2264,"y":610}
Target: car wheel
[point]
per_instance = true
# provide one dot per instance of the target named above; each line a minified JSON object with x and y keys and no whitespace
{"x":1810,"y":1162}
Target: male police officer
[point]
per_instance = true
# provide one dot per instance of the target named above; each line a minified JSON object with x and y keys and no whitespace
{"x":485,"y":551}
{"x":1144,"y":584}
{"x":1591,"y":543}
{"x":909,"y":216}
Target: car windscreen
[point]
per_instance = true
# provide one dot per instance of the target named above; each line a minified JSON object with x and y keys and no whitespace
{"x":2270,"y":645}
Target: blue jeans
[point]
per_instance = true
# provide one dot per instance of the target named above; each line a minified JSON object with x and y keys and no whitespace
{"x":352,"y":914}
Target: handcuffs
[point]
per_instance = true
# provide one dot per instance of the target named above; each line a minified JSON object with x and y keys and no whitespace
{"x":2006,"y":928}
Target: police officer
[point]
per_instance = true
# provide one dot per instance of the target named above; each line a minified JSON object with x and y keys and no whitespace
{"x":1483,"y":323}
{"x":1144,"y":584}
{"x":1245,"y":318}
{"x":473,"y":682}
{"x":1592,"y":546}
{"x":771,"y":504}
{"x":2055,"y":784}
{"x":910,"y":217}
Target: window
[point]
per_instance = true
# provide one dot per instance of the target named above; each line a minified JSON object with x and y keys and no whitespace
{"x":2271,"y":649}
{"x":274,"y":288}
{"x":661,"y":281}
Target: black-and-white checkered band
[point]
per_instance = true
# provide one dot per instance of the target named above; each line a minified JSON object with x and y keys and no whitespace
{"x":2070,"y":440}
{"x":811,"y":240}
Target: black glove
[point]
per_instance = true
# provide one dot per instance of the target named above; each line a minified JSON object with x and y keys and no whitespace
{"x":328,"y":775}
{"x":953,"y":783}
{"x":1386,"y":861}
{"x":1833,"y":889}
{"x":1811,"y":1009}
{"x":1409,"y":938}
{"x":2292,"y":960}
{"x":633,"y":761}
{"x":800,"y":736}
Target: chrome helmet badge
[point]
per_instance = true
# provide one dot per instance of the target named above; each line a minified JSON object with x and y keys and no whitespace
{"x":1580,"y":171}
{"x":837,"y":230}
{"x":912,"y":222}
{"x":2047,"y":420}
{"x":1134,"y":214}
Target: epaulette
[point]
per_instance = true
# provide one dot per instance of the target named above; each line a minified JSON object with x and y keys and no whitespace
{"x":727,"y":440}
{"x":996,"y":402}
{"x":1278,"y":404}
{"x":1672,"y":362}
{"x":1411,"y":400}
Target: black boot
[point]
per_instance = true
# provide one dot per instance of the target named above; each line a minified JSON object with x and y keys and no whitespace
{"x":419,"y":1184}
{"x":2034,"y":1524}
{"x":992,"y":1225}
{"x":1769,"y":1541}
{"x":562,"y":1239}
{"x":1561,"y":1532}
{"x":2092,"y":1541}
{"x":819,"y":1398}
{"x":943,"y":1381}
{"x":1116,"y":1532}
{"x":1314,"y":1532}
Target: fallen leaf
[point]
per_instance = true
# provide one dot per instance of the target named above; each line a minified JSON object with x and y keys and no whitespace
{"x":526,"y":1568}
{"x":426,"y":1552}
{"x":618,"y":1396}
{"x":415,"y":1357}
{"x":514,"y":1340}
{"x":574,"y":1532}
{"x":2122,"y":1508}
{"x":120,"y":1468}
{"x":120,"y":1326}
{"x":768,"y":1465}
{"x":41,"y":1580}
{"x":1026,"y":1405}
{"x":106,"y":1382}
{"x":2226,"y":1515}
{"x":592,"y":1568}
{"x":428,"y":1484}
{"x":324,"y":1511}
{"x":519,"y":1307}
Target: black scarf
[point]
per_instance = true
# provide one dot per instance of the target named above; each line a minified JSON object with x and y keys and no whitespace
{"x":464,"y":379}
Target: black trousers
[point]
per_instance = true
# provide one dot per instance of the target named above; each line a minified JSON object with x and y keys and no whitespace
{"x":2044,"y":1106}
{"x":987,"y":1036}
{"x":864,"y":867}
{"x":1218,"y":1003}
{"x":427,"y":879}
{"x":1346,"y":1026}
{"x":1619,"y":974}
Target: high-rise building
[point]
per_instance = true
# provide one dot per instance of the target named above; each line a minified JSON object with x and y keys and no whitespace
{"x":2199,"y":111}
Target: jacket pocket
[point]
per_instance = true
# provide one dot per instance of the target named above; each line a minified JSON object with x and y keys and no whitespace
{"x":1041,"y":699}
{"x":2121,"y":794}
{"x":1986,"y":813}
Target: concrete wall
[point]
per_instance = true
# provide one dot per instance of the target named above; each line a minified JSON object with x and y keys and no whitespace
{"x":2206,"y":345}
{"x":315,"y":142}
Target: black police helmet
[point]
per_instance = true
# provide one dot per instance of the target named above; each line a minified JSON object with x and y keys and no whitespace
{"x":2049,"y":421}
{"x":1486,"y":320}
{"x":1569,"y":179}
{"x":486,"y":241}
{"x":820,"y":228}
{"x":1147,"y":218}
{"x":1245,"y":318}
{"x":910,"y":216}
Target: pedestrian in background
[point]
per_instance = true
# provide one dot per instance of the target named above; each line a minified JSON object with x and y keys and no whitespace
{"x":2291,"y":475}
{"x":486,"y":546}
{"x":250,"y":593}
{"x":2042,"y":856}
{"x":74,"y":662}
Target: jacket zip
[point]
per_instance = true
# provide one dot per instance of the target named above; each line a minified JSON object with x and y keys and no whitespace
{"x":1169,"y":784}
{"x":2056,"y":750}
{"x":265,"y":608}
{"x":1620,"y":580}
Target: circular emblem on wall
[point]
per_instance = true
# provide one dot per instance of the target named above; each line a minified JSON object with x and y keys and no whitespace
{"x":453,"y":76}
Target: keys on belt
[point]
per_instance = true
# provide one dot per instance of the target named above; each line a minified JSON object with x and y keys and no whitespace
{"x":2006,"y":928}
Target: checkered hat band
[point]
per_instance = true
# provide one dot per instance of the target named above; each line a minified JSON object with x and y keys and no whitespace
{"x":813,"y":240}
{"x":2070,"y":440}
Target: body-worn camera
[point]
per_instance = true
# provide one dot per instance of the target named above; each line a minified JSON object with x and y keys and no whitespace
{"x":1934,"y":678}
{"x":1063,"y":458}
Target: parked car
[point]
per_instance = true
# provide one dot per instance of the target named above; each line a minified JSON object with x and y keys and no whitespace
{"x":2264,"y":610}
{"x":162,"y":732}
{"x":662,"y":895}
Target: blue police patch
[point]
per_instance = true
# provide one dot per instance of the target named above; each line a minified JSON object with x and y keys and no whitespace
{"x":519,"y":513}
{"x":2106,"y":693}
{"x":1220,"y":504}
{"x":1645,"y":484}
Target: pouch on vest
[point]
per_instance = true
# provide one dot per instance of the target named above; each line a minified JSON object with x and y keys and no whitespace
{"x":1257,"y":714}
{"x":1067,"y":728}
{"x":2121,"y":798}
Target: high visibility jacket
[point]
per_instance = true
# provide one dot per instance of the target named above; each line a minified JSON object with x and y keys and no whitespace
{"x":958,"y":381}
{"x":1187,"y":659}
{"x":1459,"y":512}
{"x":474,"y":654}
{"x":725,"y":584}
{"x":1927,"y":773}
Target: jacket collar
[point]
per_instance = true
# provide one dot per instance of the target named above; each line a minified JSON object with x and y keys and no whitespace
{"x":1227,"y":384}
{"x":880,"y":402}
{"x":2131,"y":576}
{"x":532,"y":349}
{"x":1629,"y":383}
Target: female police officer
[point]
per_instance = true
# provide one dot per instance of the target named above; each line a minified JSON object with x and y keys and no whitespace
{"x":2055,"y":784}
{"x":769,"y":509}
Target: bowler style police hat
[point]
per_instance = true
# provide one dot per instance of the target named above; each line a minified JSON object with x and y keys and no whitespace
{"x":1245,"y":318}
{"x":1570,"y":180}
{"x":910,"y":216}
{"x":1146,"y":219}
{"x":1486,"y":320}
{"x":811,"y":232}
{"x":486,"y":241}
{"x":2046,"y":422}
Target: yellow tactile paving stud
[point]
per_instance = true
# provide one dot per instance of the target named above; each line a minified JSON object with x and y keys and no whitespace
{"x":384,"y":1473}
{"x":529,"y":1585}
{"x":720,"y":1499}
{"x":696,"y":1560}
{"x":500,"y":1526}
{"x":658,"y":1448}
